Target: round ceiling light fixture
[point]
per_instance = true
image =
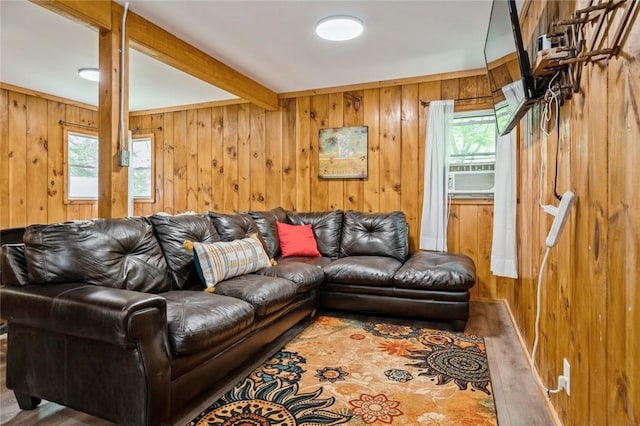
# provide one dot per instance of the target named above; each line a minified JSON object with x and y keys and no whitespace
{"x":91,"y":74}
{"x":339,"y":28}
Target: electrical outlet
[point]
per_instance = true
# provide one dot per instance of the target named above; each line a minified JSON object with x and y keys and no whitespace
{"x":567,"y":374}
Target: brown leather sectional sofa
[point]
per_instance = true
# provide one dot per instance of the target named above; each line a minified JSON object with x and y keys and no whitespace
{"x":108,"y":316}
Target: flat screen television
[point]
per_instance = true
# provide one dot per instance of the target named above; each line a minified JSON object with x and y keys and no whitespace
{"x":513,"y":88}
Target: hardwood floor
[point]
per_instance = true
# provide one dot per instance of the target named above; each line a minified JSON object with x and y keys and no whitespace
{"x":518,"y":399}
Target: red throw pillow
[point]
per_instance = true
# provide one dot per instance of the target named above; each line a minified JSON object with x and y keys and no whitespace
{"x":297,"y":240}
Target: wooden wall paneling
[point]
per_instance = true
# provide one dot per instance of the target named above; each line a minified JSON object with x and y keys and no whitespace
{"x":56,"y":208}
{"x":245,"y":140}
{"x":390,"y":148}
{"x":72,"y":115}
{"x":289,"y":154}
{"x":36,"y":164}
{"x":168,"y":176}
{"x":230,"y":203}
{"x":157,"y":123}
{"x":371,"y":119}
{"x":353,"y":116}
{"x":274,"y":159}
{"x":453,"y":229}
{"x":486,"y":280}
{"x":191,"y":172}
{"x":319,"y":116}
{"x":4,"y":159}
{"x":89,"y":209}
{"x":335,"y":187}
{"x":180,"y":162}
{"x":469,"y":236}
{"x":257,"y":158}
{"x":429,"y":91}
{"x":621,"y":129}
{"x":304,"y":173}
{"x":17,"y":160}
{"x":140,"y":122}
{"x":217,"y":158}
{"x":580,"y":338}
{"x":204,"y":160}
{"x":410,"y":161}
{"x":450,"y":89}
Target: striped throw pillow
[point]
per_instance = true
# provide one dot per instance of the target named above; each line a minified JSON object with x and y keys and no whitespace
{"x":219,"y":261}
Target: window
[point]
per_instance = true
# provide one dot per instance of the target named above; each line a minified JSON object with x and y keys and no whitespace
{"x":82,"y":167}
{"x":472,"y":155}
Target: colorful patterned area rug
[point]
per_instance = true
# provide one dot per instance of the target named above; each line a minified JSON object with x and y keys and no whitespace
{"x":348,"y":371}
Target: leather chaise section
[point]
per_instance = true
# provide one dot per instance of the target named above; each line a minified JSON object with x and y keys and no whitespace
{"x":436,"y":271}
{"x":364,"y":270}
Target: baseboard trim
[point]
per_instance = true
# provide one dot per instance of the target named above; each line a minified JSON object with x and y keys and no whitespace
{"x":550,"y":407}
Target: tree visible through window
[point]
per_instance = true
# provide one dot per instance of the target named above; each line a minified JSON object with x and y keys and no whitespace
{"x":82,"y":167}
{"x":474,"y":138}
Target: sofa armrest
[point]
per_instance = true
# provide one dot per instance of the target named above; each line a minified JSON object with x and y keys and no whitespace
{"x":99,"y":313}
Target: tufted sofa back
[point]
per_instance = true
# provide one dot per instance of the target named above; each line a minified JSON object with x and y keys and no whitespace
{"x":326,"y":228}
{"x":119,"y":253}
{"x":375,"y":234}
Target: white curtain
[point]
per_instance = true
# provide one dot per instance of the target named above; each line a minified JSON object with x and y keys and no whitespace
{"x":433,"y":227}
{"x":504,"y":257}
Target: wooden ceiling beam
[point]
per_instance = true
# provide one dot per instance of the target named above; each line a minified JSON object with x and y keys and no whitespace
{"x":158,"y":43}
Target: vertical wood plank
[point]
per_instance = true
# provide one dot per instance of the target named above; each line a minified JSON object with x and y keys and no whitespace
{"x":410,"y":161}
{"x":303,"y":170}
{"x":257,"y":158}
{"x":390,"y":148}
{"x":217,"y":158}
{"x":290,"y":171}
{"x":485,"y":280}
{"x":371,"y":119}
{"x":274,"y":158}
{"x":353,"y":115}
{"x":319,"y":115}
{"x":56,"y":209}
{"x":231,"y":187}
{"x":157,"y":122}
{"x":335,"y":187}
{"x":191,"y":150}
{"x":180,"y":161}
{"x":205,"y":192}
{"x":36,"y":164}
{"x":4,"y":159}
{"x":17,"y":160}
{"x":468,"y":242}
{"x":245,"y":141}
{"x":169,"y":148}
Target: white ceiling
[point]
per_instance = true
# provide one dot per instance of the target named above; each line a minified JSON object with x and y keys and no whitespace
{"x":271,"y":42}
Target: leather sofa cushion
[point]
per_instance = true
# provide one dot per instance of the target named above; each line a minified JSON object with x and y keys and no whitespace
{"x":118,"y":253}
{"x":171,"y":232}
{"x":266,"y":223}
{"x":318,"y":262}
{"x":363,"y":270}
{"x":375,"y":234}
{"x":199,"y":320}
{"x":437,"y":271}
{"x":327,"y":228}
{"x":265,"y":294}
{"x":305,"y":276}
{"x":233,"y":226}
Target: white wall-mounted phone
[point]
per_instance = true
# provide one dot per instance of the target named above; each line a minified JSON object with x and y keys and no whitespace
{"x":561,"y":213}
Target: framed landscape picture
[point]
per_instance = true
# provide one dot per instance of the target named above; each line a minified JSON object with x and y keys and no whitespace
{"x":343,"y":152}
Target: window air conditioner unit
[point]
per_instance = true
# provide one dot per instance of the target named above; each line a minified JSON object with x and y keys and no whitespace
{"x":472,"y":179}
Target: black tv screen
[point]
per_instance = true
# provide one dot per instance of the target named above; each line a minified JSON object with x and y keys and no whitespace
{"x":510,"y":77}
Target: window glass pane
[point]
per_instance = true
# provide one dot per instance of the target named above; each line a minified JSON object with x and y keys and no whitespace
{"x":82,"y":158}
{"x":141,"y":167}
{"x":474,"y":139}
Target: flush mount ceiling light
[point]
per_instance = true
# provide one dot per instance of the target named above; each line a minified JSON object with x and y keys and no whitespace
{"x":92,"y":74}
{"x":339,"y":28}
